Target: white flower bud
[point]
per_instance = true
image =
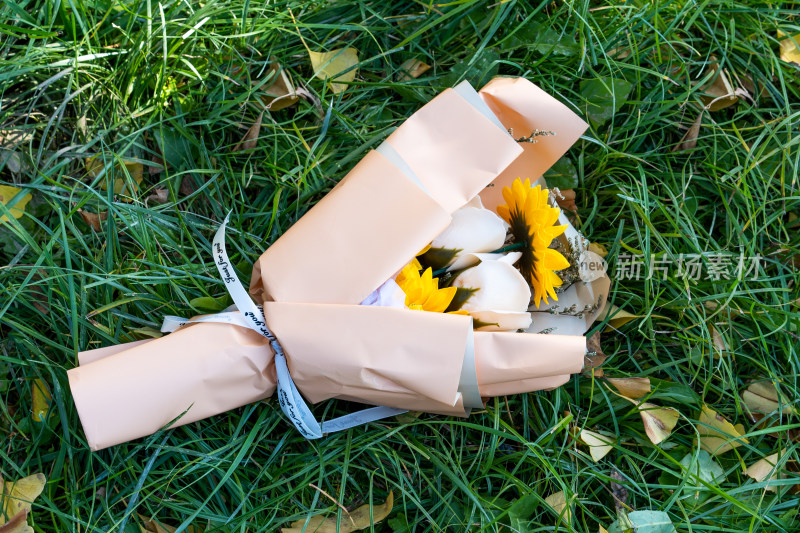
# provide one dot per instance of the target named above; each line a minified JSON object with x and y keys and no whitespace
{"x":501,"y":296}
{"x":472,"y":230}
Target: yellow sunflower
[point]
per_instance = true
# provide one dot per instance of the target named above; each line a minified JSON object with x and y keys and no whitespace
{"x":422,"y":289}
{"x":531,"y":219}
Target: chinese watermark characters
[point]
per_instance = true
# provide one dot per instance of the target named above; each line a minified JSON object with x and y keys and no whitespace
{"x":712,"y":266}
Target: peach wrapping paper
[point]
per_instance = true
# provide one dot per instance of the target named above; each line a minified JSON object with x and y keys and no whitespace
{"x":312,"y":278}
{"x":200,"y":370}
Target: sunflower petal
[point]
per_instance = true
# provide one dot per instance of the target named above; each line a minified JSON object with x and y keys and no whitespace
{"x":553,"y":260}
{"x":504,"y":213}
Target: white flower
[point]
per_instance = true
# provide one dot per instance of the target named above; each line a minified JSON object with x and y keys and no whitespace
{"x":501,"y":295}
{"x":387,"y":295}
{"x":473,"y":229}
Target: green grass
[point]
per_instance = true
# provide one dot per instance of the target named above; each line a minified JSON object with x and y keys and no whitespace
{"x":93,"y":77}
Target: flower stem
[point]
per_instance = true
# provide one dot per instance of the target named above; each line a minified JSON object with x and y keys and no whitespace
{"x":510,"y":247}
{"x":437,"y":273}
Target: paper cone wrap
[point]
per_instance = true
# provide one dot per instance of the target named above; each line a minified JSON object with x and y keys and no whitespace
{"x":311,"y":280}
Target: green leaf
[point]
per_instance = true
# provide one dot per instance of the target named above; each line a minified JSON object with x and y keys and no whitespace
{"x":675,"y":392}
{"x":399,"y":524}
{"x":562,"y":175}
{"x":521,"y":512}
{"x":208,"y":304}
{"x":462,"y":295}
{"x":703,"y":469}
{"x":604,"y":97}
{"x":542,"y":39}
{"x":438,"y":258}
{"x":651,"y":522}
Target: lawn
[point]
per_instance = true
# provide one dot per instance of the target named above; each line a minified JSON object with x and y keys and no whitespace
{"x":133,"y":126}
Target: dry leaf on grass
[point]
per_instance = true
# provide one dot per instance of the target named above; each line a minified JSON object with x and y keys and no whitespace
{"x":719,"y":342}
{"x":16,"y":499}
{"x":566,"y":200}
{"x":281,"y":93}
{"x":762,"y":397}
{"x":11,"y":138}
{"x":595,"y":356}
{"x":95,"y":165}
{"x":717,"y":435}
{"x":599,"y":444}
{"x":631,"y":387}
{"x":619,"y":317}
{"x":7,"y":193}
{"x":558,"y":502}
{"x":689,"y":139}
{"x":250,"y":139}
{"x":412,"y":68}
{"x":354,"y":521}
{"x":17,"y":524}
{"x":93,"y":219}
{"x":40,"y":401}
{"x":154,"y":526}
{"x":790,"y":47}
{"x":618,"y":491}
{"x":764,"y":468}
{"x":719,"y":92}
{"x":158,"y":196}
{"x":39,"y":292}
{"x":599,"y":249}
{"x":331,"y":66}
{"x":658,"y":421}
{"x":188,"y":185}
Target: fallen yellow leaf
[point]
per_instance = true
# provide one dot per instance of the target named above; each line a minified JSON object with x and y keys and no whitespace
{"x":281,"y":93}
{"x":558,"y":502}
{"x":689,"y":139}
{"x":631,"y":387}
{"x":154,"y":526}
{"x":412,"y":68}
{"x":18,"y":496}
{"x":658,"y":421}
{"x":719,"y":341}
{"x":17,"y":524}
{"x":717,"y":435}
{"x":331,"y":65}
{"x":95,"y":165}
{"x":599,"y":445}
{"x":619,"y":317}
{"x":41,"y":399}
{"x":719,"y":92}
{"x":250,"y":138}
{"x":354,"y":521}
{"x":599,"y":249}
{"x":7,"y":193}
{"x":762,"y":468}
{"x":93,"y":219}
{"x":762,"y":397}
{"x":790,"y":47}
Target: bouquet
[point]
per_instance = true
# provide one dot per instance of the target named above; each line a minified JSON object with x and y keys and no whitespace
{"x":442,"y":273}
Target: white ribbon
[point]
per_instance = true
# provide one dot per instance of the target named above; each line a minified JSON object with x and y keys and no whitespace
{"x":251,"y":316}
